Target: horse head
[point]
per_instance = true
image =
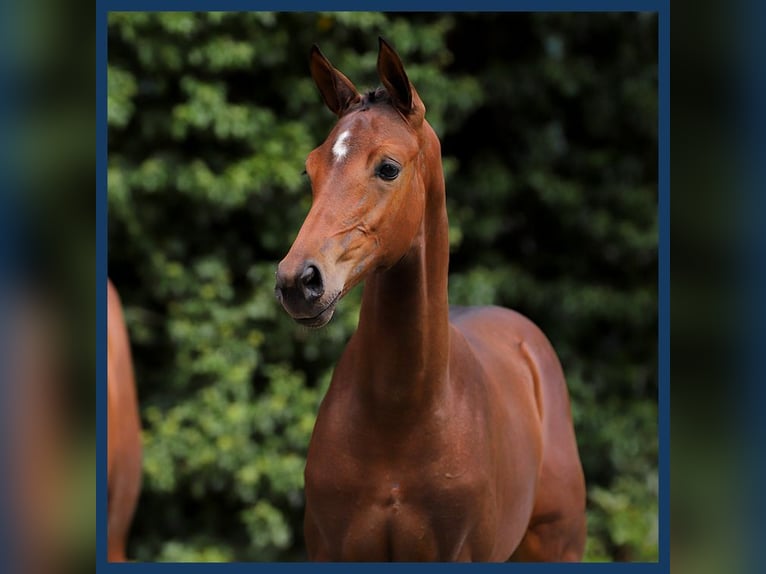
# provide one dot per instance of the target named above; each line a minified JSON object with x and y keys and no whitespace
{"x":368,"y":189}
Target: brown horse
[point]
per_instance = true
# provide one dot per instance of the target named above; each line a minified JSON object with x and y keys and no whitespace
{"x":446,"y":434}
{"x":124,"y":431}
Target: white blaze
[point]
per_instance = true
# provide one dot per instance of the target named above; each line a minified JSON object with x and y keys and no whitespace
{"x":340,"y":147}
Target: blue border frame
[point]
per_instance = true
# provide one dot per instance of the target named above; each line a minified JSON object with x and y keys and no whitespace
{"x":662,"y":8}
{"x":663,"y":279}
{"x":101,"y":278}
{"x":751,"y":121}
{"x":659,"y":6}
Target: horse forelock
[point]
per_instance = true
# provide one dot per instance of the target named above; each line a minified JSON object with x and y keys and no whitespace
{"x":378,"y":95}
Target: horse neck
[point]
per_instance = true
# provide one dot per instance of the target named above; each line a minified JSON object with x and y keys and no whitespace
{"x":404,"y":319}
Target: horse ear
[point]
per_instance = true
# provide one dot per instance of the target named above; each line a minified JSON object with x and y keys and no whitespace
{"x":394,"y":78}
{"x":337,"y":90}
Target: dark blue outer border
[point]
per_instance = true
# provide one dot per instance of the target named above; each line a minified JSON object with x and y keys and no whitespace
{"x":659,"y":6}
{"x":751,"y":121}
{"x":663,"y":287}
{"x":390,"y":6}
{"x":9,"y":262}
{"x":101,"y":275}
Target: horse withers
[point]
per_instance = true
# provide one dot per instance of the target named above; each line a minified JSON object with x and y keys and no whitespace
{"x":445,"y":434}
{"x":123,"y":431}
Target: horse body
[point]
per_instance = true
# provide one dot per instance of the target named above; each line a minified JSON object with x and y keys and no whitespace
{"x":124,"y":431}
{"x":451,"y":480}
{"x":443,"y":436}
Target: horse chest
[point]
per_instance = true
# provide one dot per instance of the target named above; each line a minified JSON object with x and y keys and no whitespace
{"x":367,"y":510}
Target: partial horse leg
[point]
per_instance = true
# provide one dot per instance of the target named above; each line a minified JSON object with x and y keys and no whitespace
{"x":122,"y":505}
{"x":116,"y":534}
{"x":560,"y":539}
{"x":557,"y":529}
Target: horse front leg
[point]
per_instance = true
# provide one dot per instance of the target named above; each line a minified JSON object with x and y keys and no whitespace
{"x":554,"y":538}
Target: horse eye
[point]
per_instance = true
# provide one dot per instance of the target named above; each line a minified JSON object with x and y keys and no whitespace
{"x":388,"y":171}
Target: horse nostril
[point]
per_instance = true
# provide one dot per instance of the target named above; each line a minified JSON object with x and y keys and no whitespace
{"x":311,"y":283}
{"x":279,"y":284}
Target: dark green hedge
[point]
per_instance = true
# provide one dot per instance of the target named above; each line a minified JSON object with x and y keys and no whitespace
{"x":549,"y":132}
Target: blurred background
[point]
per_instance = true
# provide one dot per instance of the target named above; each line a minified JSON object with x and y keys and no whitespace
{"x":548,"y":124}
{"x":47,"y":288}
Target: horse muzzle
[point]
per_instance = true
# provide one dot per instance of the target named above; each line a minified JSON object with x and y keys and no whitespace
{"x":301,"y":291}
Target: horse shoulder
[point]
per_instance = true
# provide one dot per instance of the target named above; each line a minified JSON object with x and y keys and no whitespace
{"x":515,"y":352}
{"x":503,"y":356}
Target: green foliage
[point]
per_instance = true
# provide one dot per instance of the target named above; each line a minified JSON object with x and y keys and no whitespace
{"x":548,"y":125}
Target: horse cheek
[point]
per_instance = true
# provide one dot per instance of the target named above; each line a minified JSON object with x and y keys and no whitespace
{"x":410,"y":222}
